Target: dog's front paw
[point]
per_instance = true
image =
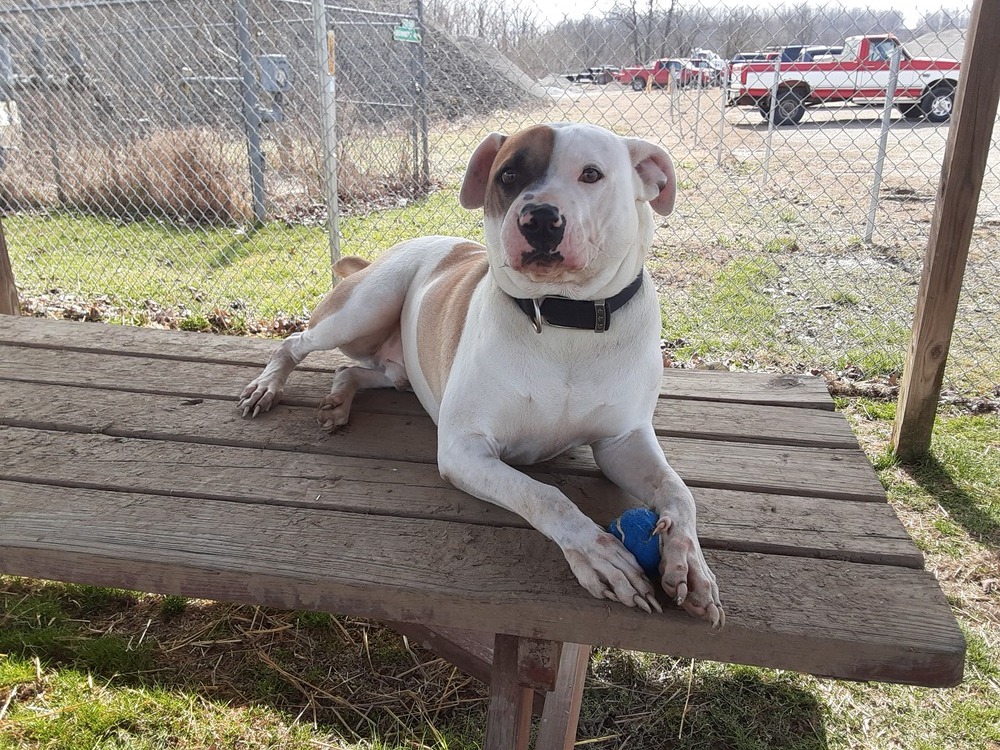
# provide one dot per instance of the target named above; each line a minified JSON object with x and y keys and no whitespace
{"x":684,"y":573}
{"x":609,"y":571}
{"x":260,"y":395}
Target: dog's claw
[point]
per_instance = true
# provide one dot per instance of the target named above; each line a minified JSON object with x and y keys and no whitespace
{"x":663,"y":525}
{"x":716,"y":615}
{"x":642,"y":604}
{"x":682,"y":592}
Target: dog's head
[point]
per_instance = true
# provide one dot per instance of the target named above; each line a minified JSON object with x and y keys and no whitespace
{"x":567,"y":207}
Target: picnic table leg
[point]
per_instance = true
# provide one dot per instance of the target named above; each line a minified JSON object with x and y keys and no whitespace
{"x":557,"y":730}
{"x":509,"y":720}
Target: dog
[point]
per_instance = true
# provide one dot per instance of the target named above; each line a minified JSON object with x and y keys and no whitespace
{"x":544,"y":339}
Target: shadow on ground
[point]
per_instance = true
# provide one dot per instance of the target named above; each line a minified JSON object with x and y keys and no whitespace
{"x":347,"y":681}
{"x":935,"y":479}
{"x":659,"y":703}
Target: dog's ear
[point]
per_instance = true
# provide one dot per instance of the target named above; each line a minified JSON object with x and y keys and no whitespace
{"x":477,"y":174}
{"x":656,"y":172}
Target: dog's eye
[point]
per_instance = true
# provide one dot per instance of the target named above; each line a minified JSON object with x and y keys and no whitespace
{"x":508,"y":177}
{"x":590,"y":175}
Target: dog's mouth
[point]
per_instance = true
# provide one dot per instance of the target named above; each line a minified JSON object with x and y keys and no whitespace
{"x":542,"y":259}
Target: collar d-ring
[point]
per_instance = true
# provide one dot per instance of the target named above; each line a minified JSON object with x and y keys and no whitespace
{"x":537,"y":317}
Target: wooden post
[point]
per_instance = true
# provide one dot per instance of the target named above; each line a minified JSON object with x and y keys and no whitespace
{"x":951,"y":233}
{"x":509,"y":718}
{"x":557,"y":729}
{"x":8,"y":291}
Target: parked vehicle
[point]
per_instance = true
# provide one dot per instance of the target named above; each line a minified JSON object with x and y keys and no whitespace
{"x":925,"y":87}
{"x":601,"y":74}
{"x":708,"y":62}
{"x":787,"y":53}
{"x":745,"y":57}
{"x":659,"y":71}
{"x":701,"y":73}
{"x":819,"y":53}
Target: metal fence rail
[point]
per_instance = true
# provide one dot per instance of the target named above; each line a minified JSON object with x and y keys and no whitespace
{"x":161,"y":165}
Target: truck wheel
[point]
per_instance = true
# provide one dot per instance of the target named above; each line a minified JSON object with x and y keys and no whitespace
{"x":788,"y":109}
{"x":910,"y":111}
{"x":938,"y":103}
{"x":638,"y":84}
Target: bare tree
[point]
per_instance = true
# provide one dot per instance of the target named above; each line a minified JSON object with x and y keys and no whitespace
{"x":629,"y":16}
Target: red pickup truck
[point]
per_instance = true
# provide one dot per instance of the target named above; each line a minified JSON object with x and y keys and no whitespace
{"x":661,"y":72}
{"x":925,"y":88}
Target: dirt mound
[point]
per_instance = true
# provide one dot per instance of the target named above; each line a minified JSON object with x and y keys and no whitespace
{"x":948,"y":43}
{"x":493,"y":59}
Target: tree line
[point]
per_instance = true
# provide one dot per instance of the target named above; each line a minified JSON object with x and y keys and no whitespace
{"x":635,"y":31}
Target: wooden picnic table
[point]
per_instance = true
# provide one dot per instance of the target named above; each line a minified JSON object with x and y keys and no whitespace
{"x":124,"y":462}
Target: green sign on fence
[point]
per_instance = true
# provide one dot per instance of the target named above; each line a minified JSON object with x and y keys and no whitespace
{"x":407,"y":31}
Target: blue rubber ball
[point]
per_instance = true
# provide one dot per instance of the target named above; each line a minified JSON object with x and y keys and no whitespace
{"x":634,"y":528}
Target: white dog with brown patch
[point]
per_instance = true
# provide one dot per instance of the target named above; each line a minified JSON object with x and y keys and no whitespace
{"x":545,"y":339}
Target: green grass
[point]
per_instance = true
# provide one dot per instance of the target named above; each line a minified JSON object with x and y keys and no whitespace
{"x":99,"y":668}
{"x":277,"y":270}
{"x":728,"y":314}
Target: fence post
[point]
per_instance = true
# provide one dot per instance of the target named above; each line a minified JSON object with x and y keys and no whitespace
{"x":883,"y":140}
{"x":951,"y":233}
{"x":9,"y":304}
{"x":724,"y":88}
{"x":425,"y":173}
{"x":6,"y":82}
{"x":326,"y":67}
{"x":251,"y":111}
{"x":768,"y":148}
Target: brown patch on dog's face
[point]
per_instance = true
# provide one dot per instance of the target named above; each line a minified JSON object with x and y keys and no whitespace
{"x":522,"y":161}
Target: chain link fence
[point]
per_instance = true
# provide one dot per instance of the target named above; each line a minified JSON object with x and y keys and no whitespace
{"x":163,"y":160}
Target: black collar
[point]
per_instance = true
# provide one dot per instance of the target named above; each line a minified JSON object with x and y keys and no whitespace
{"x":589,"y":315}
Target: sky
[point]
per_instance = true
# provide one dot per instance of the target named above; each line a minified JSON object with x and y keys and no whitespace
{"x":912,"y":10}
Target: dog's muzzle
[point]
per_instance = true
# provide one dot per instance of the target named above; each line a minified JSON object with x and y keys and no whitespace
{"x":543,"y":227}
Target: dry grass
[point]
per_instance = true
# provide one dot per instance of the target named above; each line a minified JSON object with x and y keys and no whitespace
{"x":188,"y":176}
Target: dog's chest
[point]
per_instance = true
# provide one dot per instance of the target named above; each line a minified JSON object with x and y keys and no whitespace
{"x":546,"y":409}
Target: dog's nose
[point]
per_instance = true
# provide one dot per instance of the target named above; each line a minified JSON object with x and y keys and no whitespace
{"x":542,"y":226}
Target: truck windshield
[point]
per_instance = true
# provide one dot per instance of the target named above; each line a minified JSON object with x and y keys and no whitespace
{"x":882,"y":50}
{"x":852,"y":47}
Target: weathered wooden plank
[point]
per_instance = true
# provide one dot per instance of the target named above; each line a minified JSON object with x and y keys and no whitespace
{"x":751,"y":522}
{"x":830,"y":473}
{"x":704,"y":419}
{"x":835,"y":619}
{"x":773,"y":389}
{"x":962,"y":173}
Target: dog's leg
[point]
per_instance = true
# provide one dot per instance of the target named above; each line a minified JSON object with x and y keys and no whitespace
{"x":635,"y":462}
{"x":598,"y":560}
{"x":264,"y":391}
{"x":335,"y":409}
{"x":360,"y":316}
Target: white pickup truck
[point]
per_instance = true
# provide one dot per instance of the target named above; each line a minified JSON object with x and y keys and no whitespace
{"x":925,"y":87}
